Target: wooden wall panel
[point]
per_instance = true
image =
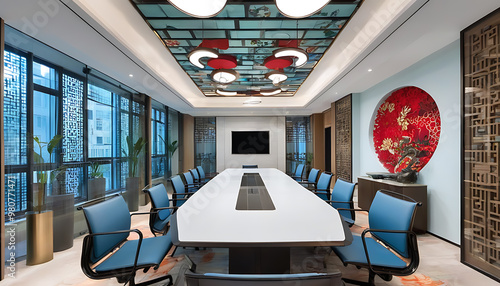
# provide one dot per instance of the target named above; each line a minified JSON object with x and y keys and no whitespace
{"x":327,"y":117}
{"x":318,"y":130}
{"x":188,"y":142}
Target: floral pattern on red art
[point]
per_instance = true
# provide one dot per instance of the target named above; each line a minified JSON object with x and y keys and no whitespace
{"x":406,"y":130}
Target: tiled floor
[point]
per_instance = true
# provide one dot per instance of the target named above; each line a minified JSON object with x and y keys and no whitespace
{"x":439,"y":265}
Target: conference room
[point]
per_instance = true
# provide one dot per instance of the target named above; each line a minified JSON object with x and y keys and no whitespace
{"x":232,"y":142}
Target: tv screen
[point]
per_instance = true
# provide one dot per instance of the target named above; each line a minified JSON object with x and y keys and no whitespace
{"x":250,"y":142}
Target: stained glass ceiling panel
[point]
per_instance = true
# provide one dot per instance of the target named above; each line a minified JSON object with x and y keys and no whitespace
{"x":248,"y":32}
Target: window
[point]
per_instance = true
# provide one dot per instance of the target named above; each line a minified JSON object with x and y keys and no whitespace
{"x":100,"y":103}
{"x":159,"y":143}
{"x":173,"y":135}
{"x":204,"y":143}
{"x":44,"y":76}
{"x":298,"y":142}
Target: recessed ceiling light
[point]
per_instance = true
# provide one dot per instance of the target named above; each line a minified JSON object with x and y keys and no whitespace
{"x":131,"y":75}
{"x":252,"y":101}
{"x":300,"y":8}
{"x":370,"y":70}
{"x":199,"y":8}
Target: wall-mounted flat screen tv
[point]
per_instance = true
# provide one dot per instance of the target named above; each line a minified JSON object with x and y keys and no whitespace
{"x":250,"y":142}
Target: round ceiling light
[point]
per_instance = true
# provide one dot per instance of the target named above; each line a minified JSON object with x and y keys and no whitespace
{"x":268,"y":92}
{"x":199,"y":8}
{"x":198,"y":53}
{"x":226,"y":93}
{"x":224,"y":75}
{"x":300,"y":54}
{"x":276,"y":77}
{"x":300,"y":8}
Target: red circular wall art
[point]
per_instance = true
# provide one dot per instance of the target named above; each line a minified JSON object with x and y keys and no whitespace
{"x":406,"y":130}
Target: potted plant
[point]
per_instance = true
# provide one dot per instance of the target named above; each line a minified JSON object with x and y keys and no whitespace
{"x":132,"y":184}
{"x":39,"y":220}
{"x":171,"y":148}
{"x":97,"y":182}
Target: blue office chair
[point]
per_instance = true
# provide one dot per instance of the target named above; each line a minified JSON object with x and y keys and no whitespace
{"x":311,"y":179}
{"x":160,"y":209}
{"x":196,"y":177}
{"x":190,"y":184}
{"x":299,"y":171}
{"x":342,"y":195}
{"x":390,"y":220}
{"x":109,"y":226}
{"x":302,"y":279}
{"x":322,"y":187}
{"x":204,"y":178}
{"x":250,"y":166}
{"x":181,"y":193}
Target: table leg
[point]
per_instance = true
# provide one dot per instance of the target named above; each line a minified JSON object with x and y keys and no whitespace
{"x":259,"y":260}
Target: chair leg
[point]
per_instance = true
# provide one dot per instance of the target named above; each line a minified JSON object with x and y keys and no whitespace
{"x":149,"y":282}
{"x":371,"y":280}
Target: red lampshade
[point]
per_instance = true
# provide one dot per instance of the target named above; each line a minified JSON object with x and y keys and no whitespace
{"x":274,"y":63}
{"x":221,"y":44}
{"x":223,"y":62}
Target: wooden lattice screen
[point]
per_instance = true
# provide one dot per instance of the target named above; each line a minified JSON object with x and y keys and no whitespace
{"x":343,"y":135}
{"x":480,"y":246}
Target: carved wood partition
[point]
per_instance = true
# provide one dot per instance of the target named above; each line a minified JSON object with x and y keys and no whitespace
{"x":480,"y":243}
{"x":343,"y":138}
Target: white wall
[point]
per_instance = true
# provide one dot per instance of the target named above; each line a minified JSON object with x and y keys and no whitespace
{"x":274,"y":124}
{"x":438,"y":75}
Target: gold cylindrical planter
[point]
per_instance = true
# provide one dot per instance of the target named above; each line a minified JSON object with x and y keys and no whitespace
{"x":39,"y":237}
{"x":132,"y":186}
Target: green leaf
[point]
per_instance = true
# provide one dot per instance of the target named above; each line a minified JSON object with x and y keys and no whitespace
{"x":53,"y":143}
{"x":37,"y":158}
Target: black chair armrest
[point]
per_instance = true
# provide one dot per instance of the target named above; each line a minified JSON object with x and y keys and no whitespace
{"x":192,"y":185}
{"x":306,"y":183}
{"x":90,"y":235}
{"x":182,"y":194}
{"x":356,"y":210}
{"x":164,"y":208}
{"x":316,"y":191}
{"x":329,"y":201}
{"x":411,"y":235}
{"x":141,"y":213}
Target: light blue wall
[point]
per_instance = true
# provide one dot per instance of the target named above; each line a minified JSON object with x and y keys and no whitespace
{"x":438,"y":75}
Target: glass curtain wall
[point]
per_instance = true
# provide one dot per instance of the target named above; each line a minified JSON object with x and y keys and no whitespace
{"x":49,"y":94}
{"x":173,"y":142}
{"x":298,"y":142}
{"x":159,"y":156}
{"x":205,"y":144}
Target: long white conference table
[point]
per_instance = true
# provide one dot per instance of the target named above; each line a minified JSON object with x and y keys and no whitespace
{"x":258,"y":214}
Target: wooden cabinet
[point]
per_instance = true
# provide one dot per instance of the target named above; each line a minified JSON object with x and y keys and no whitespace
{"x":367,"y":187}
